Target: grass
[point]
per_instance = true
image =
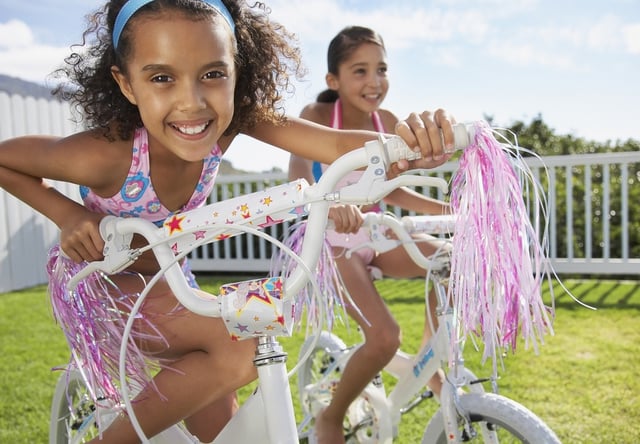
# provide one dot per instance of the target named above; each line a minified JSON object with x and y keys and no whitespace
{"x":584,"y":382}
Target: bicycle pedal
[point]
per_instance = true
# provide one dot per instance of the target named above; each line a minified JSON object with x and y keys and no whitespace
{"x":427,"y":394}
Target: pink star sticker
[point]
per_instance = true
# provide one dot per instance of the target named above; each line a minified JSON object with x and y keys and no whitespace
{"x":269,"y":221}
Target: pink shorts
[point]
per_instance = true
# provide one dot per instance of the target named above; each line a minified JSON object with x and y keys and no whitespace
{"x":351,"y":240}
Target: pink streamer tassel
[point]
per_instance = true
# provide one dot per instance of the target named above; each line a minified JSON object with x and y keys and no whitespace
{"x":93,"y":324}
{"x":326,"y":275}
{"x":497,"y":263}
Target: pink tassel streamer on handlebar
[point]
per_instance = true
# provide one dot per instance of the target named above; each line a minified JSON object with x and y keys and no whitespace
{"x":92,"y":318}
{"x":326,"y":275}
{"x":498,"y":264}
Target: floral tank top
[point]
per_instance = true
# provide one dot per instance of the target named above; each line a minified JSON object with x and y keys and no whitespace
{"x":137,"y":197}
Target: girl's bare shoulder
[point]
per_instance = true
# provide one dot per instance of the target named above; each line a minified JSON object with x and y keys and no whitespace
{"x":389,"y":120}
{"x":96,"y":160}
{"x":318,"y":112}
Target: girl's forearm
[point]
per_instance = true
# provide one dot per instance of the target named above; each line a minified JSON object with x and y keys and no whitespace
{"x":411,"y":200}
{"x":39,"y":195}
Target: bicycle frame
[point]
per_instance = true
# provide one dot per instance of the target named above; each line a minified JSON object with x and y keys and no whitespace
{"x":412,"y":373}
{"x":254,"y":421}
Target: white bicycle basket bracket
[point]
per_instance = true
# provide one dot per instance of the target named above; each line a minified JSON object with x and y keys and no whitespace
{"x":255,"y":308}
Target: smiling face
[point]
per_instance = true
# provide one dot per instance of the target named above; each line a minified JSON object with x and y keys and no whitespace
{"x":181,"y":76}
{"x":361,"y":80}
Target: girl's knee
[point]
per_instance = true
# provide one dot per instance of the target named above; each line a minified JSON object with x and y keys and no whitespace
{"x":386,"y":342}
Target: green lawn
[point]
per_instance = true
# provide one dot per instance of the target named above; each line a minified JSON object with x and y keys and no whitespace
{"x":584,"y":383}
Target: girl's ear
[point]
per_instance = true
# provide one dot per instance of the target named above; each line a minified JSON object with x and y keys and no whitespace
{"x":123,"y":83}
{"x":332,"y":81}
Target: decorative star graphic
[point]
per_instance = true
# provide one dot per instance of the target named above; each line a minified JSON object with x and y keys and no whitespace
{"x":242,"y":328}
{"x":200,"y":234}
{"x":298,"y":211}
{"x":269,"y":221}
{"x":267,"y":201}
{"x":174,"y":248}
{"x":174,"y":224}
{"x":263,"y":297}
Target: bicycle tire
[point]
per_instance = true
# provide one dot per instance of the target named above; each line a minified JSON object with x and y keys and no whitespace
{"x":512,"y":422}
{"x":367,"y":420}
{"x":325,"y":350}
{"x":73,"y":413}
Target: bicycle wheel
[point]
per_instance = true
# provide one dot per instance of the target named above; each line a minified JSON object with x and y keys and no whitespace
{"x":365,"y":421}
{"x":494,"y":419}
{"x":73,"y":412}
{"x":314,"y":369}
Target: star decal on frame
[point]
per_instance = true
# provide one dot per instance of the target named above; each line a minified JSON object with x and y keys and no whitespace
{"x":174,"y":224}
{"x":269,"y":221}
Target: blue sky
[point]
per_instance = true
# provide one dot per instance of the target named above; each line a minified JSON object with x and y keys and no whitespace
{"x":576,"y":63}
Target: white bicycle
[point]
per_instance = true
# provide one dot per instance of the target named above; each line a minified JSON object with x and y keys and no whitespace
{"x":467,"y":413}
{"x":267,"y":416}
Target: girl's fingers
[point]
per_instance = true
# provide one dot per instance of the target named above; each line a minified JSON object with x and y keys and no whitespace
{"x":431,"y":133}
{"x":347,"y":218}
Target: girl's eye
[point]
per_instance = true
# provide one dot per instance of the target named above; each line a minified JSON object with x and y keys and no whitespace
{"x":160,"y":78}
{"x":214,"y":75}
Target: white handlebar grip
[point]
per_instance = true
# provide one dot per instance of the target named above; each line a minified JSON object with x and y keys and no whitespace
{"x":463,"y":134}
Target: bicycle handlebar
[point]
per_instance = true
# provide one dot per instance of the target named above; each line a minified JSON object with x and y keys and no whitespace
{"x":376,"y":155}
{"x":403,"y":229}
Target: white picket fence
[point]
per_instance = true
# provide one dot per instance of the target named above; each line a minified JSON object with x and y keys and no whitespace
{"x":26,"y":236}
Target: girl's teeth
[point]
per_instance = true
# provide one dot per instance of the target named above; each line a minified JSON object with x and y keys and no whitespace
{"x":190,"y":130}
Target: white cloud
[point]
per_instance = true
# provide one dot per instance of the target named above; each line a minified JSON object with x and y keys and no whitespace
{"x":524,"y":54}
{"x":631,"y":35}
{"x":21,"y":56}
{"x":15,"y":34}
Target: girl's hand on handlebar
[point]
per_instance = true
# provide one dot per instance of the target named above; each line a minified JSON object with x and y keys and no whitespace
{"x":346,"y":218}
{"x":80,"y":236}
{"x":431,"y":134}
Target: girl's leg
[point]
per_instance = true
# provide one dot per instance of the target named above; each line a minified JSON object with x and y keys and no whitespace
{"x":382,"y":339}
{"x":203,"y":368}
{"x":209,"y":421}
{"x":397,"y":263}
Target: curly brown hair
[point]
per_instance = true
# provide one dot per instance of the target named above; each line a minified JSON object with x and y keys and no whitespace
{"x":266,"y":57}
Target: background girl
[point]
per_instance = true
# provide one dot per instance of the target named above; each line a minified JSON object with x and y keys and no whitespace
{"x":358,"y":83}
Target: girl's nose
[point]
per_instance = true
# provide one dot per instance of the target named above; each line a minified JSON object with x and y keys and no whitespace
{"x":191,"y":97}
{"x":374,"y":79}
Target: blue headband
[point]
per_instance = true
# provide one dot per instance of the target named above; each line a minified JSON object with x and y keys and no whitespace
{"x":132,"y":6}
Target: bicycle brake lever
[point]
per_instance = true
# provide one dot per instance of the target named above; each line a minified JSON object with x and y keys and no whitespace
{"x":379,"y":242}
{"x":374,"y":185}
{"x":117,"y":252}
